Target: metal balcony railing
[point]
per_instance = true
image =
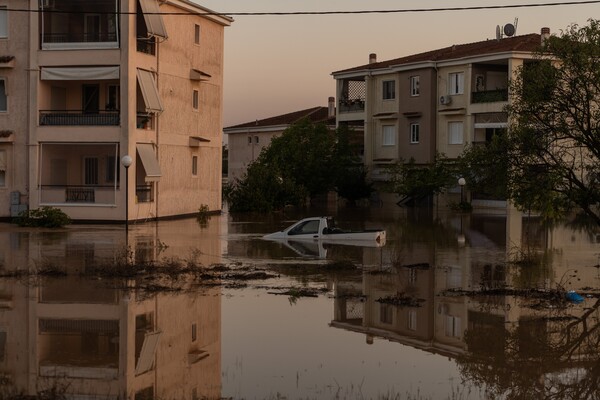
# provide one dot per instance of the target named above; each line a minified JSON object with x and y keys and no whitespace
{"x":71,"y":37}
{"x":489,"y":96}
{"x":146,"y":46}
{"x":79,"y":117}
{"x":352,"y":105}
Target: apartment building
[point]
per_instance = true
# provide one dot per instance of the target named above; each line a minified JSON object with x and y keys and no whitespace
{"x":246,"y":140}
{"x":87,"y":83}
{"x":437,"y":101}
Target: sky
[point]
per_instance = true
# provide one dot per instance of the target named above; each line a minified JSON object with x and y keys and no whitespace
{"x":280,"y":64}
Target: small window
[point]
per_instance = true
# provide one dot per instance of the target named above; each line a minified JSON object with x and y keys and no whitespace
{"x":412,"y":320}
{"x":197,"y":34}
{"x":389,"y":90}
{"x":388,"y":135}
{"x":414,"y":86}
{"x":195,"y":99}
{"x":194,"y":332}
{"x":256,"y":139}
{"x":3,"y":96}
{"x":249,"y":139}
{"x":3,"y":22}
{"x":3,"y":165}
{"x":414,"y":133}
{"x":194,"y":165}
{"x":456,"y":82}
{"x":455,"y":132}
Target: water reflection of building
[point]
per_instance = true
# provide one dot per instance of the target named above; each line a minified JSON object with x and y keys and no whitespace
{"x":498,"y":339}
{"x":94,"y":341}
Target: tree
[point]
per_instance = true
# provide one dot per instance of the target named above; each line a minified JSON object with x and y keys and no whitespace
{"x":305,"y":161}
{"x":554,"y":135}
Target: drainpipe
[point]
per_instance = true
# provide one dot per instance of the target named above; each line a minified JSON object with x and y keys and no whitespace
{"x":157,"y":124}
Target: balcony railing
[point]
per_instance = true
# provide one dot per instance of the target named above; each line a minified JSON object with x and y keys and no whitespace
{"x":352,"y":105}
{"x":90,"y":37}
{"x":79,"y":118}
{"x":146,"y":46}
{"x":78,"y":194}
{"x":489,"y":96}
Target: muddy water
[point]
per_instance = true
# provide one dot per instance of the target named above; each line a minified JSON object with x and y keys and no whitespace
{"x":469,"y":306}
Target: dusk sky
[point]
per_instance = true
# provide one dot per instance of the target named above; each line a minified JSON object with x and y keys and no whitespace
{"x":280,"y":64}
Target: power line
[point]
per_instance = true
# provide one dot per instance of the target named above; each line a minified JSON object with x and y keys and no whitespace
{"x":288,"y":13}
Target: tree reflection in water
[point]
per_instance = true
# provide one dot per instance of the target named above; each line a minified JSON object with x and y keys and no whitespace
{"x":552,"y":356}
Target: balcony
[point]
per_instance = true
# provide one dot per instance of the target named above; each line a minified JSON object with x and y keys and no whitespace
{"x":79,"y":118}
{"x":66,"y":194}
{"x":352,"y":96}
{"x":79,"y":24}
{"x":489,"y":96}
{"x":352,"y":105}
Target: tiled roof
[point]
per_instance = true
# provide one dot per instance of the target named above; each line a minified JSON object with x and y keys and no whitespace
{"x":527,"y":43}
{"x":315,"y":114}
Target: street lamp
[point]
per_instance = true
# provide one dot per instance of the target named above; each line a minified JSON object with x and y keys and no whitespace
{"x":126,"y":161}
{"x":462,"y":182}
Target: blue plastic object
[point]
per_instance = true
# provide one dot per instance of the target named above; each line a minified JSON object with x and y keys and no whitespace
{"x":573,"y":297}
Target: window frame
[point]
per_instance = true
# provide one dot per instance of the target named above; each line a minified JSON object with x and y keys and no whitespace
{"x":451,"y":132}
{"x":197,"y":34}
{"x":195,"y":99}
{"x":388,"y":89}
{"x":5,"y":84}
{"x":415,"y":89}
{"x":4,"y":21}
{"x":456,"y":83}
{"x":385,"y":136}
{"x":194,"y":165}
{"x":415,"y":132}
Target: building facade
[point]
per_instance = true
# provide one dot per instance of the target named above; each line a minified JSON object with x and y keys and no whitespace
{"x":86,"y":83}
{"x":439,"y":101}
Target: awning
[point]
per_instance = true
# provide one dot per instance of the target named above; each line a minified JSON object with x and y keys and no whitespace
{"x":389,"y":115}
{"x":197,"y":75}
{"x":79,"y":73}
{"x":2,"y":160}
{"x":146,"y":359}
{"x":154,"y":21}
{"x":149,"y":161}
{"x":195,"y":141}
{"x":149,"y":91}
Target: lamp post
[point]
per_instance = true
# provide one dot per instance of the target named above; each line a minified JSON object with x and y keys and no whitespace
{"x":462,"y":182}
{"x":126,"y":161}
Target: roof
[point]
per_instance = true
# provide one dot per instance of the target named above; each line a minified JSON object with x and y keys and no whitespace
{"x":315,"y":115}
{"x":523,"y":43}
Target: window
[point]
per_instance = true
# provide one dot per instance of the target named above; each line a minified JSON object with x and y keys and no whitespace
{"x":308,"y":227}
{"x":414,"y":86}
{"x":453,"y":326}
{"x":91,"y":170}
{"x":194,"y":165}
{"x":414,"y":133}
{"x":456,"y":82}
{"x":3,"y":22}
{"x":249,"y":139}
{"x":194,"y":332}
{"x":455,"y":132}
{"x":256,"y":139}
{"x":3,"y":165}
{"x":389,"y":135}
{"x":386,"y":313}
{"x":195,"y":99}
{"x":412,"y":320}
{"x":196,"y":33}
{"x":3,"y":96}
{"x":389,"y":90}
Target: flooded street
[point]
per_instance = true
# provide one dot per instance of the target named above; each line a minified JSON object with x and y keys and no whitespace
{"x":452,"y":306}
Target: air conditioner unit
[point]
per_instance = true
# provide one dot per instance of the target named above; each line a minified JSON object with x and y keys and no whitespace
{"x":445,"y":100}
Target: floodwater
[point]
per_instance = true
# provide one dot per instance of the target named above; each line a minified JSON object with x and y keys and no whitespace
{"x":452,"y":306}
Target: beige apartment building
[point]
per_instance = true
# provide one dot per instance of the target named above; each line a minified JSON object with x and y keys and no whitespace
{"x":83,"y":84}
{"x":438,"y":101}
{"x":247,"y":140}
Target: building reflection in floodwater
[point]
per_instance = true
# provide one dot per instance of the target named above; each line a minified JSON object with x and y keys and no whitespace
{"x":466,"y":306}
{"x":89,"y":340}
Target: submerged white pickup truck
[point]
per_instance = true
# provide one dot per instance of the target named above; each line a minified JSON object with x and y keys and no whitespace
{"x":323,"y":228}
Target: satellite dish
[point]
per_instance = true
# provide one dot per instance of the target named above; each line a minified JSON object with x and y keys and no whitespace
{"x":509,"y":30}
{"x":498,"y":33}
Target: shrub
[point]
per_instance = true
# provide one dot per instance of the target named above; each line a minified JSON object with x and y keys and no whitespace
{"x":47,"y":217}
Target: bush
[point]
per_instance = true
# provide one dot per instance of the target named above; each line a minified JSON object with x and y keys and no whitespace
{"x":46,"y":217}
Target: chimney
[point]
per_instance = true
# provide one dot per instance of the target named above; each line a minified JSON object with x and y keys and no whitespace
{"x":545,"y":34}
{"x":372,"y":58}
{"x":331,"y":107}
